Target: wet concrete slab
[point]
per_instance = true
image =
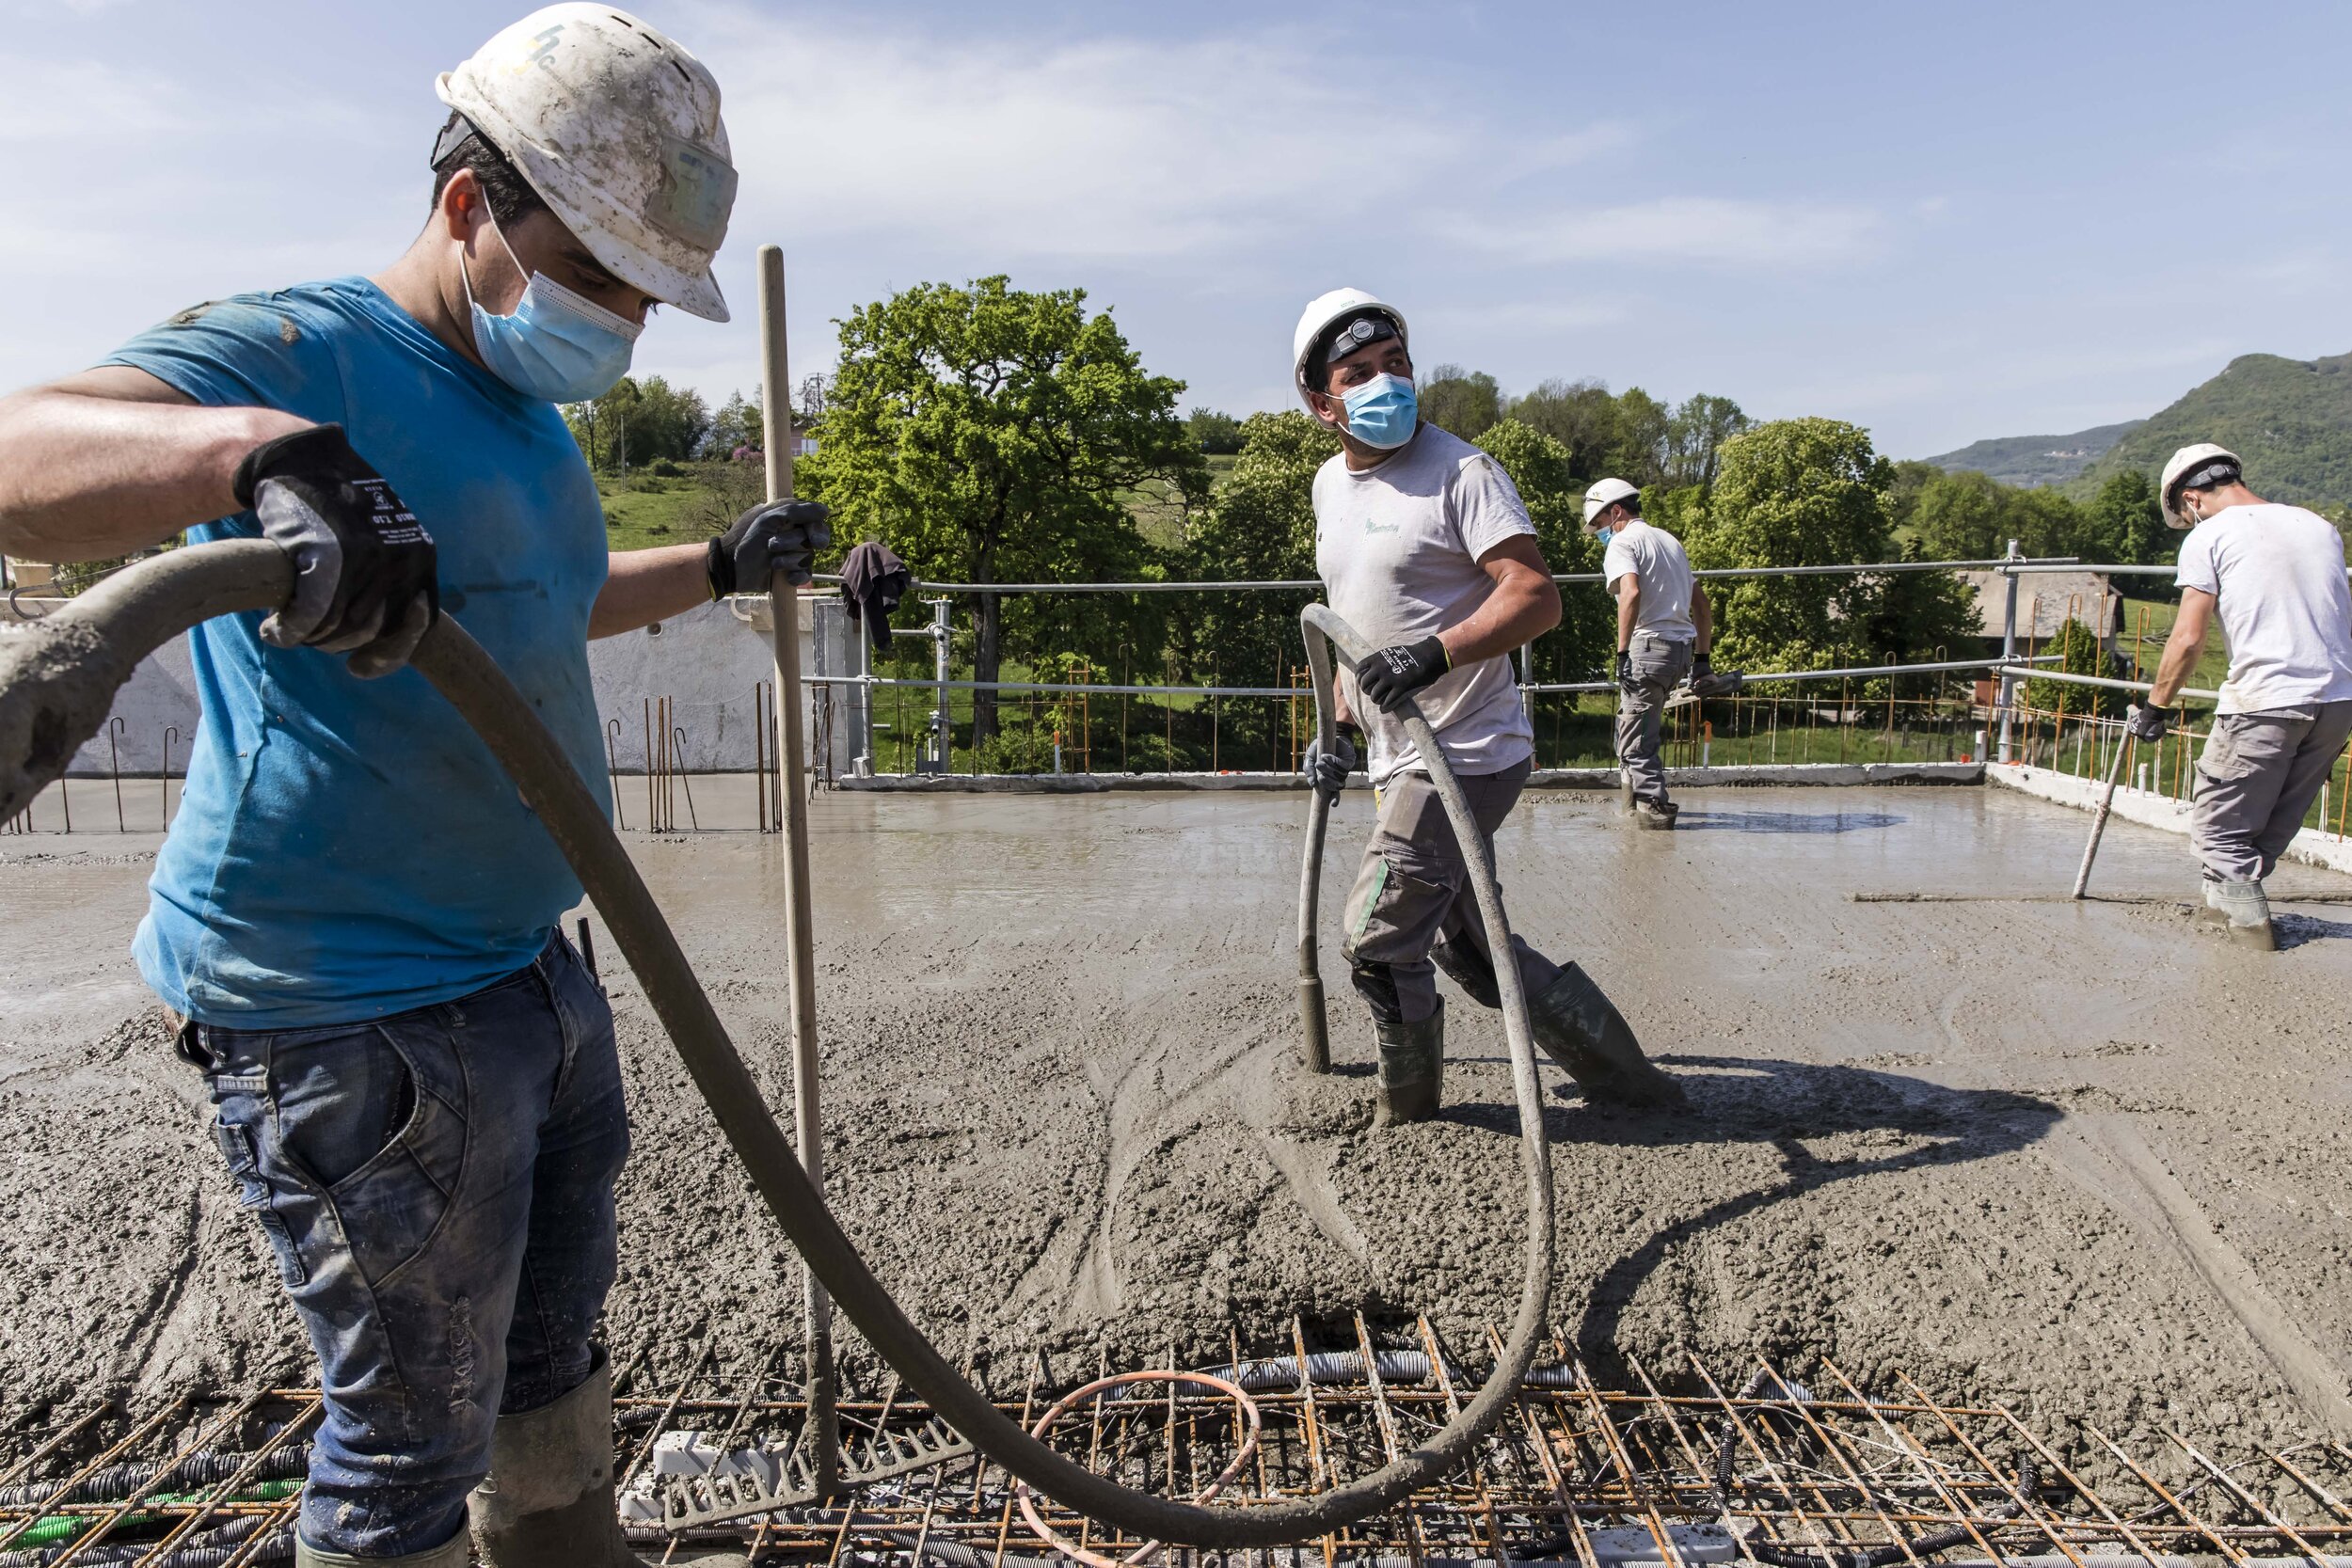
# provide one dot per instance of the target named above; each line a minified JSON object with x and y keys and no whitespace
{"x":2084,"y":1158}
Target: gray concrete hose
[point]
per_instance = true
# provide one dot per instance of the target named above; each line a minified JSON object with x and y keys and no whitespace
{"x":57,"y":680}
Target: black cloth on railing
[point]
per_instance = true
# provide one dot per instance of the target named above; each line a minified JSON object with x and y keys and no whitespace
{"x":873,"y":581}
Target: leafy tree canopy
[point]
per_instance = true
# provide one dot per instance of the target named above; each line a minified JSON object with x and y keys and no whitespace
{"x":1466,"y":402}
{"x":992,"y":434}
{"x":1216,"y":434}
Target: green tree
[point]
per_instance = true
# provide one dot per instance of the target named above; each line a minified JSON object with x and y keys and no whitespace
{"x":991,"y":434}
{"x":1793,"y":493}
{"x":2079,"y":654}
{"x":1961,"y":516}
{"x":2125,"y":524}
{"x":1465,"y":403}
{"x":1580,"y":416}
{"x":639,"y":423}
{"x":738,"y":423}
{"x":1695,"y":433}
{"x":1216,"y":434}
{"x":1639,"y":451}
{"x":1261,"y":528}
{"x":1917,"y":617}
{"x":1539,"y":467}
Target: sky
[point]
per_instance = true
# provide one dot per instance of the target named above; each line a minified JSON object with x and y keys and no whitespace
{"x":1943,"y":222}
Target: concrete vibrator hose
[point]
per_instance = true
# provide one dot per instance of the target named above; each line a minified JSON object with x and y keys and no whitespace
{"x":57,"y":681}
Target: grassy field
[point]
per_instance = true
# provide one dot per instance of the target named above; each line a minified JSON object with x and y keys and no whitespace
{"x":2147,"y":622}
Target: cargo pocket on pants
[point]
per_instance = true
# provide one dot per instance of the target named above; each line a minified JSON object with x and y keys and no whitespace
{"x":253,"y":1196}
{"x":1393,"y":915}
{"x":2226,"y":758}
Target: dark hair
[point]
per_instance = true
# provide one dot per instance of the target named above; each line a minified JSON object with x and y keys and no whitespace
{"x":461,"y":146}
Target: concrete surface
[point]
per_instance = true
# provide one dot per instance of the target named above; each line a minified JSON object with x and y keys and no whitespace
{"x":2084,"y":1159}
{"x":2311,"y":847}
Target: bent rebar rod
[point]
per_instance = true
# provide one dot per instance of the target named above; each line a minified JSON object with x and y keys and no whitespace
{"x":57,"y":680}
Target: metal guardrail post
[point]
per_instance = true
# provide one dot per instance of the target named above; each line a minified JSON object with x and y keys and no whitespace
{"x":2008,"y":650}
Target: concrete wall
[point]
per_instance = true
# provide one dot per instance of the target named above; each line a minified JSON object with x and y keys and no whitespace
{"x":2311,"y":847}
{"x":706,"y":661}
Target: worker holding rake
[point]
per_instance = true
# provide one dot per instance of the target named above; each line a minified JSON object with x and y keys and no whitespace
{"x":414,"y":1076}
{"x":1424,"y":546}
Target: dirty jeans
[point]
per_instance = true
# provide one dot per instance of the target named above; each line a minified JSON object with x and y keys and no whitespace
{"x":1658,"y":666}
{"x":2256,"y":777}
{"x":436,"y":1188}
{"x":1412,"y":899}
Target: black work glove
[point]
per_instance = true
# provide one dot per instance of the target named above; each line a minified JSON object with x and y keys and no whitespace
{"x":364,"y":567}
{"x":2147,"y":724}
{"x":1329,"y":770}
{"x":773,"y":538}
{"x":1702,"y":666}
{"x":1625,"y":670}
{"x":1389,"y":677}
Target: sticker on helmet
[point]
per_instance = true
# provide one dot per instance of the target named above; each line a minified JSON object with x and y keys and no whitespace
{"x":697,"y":193}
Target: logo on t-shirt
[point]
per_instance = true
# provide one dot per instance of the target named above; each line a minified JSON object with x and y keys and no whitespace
{"x":1374,"y":525}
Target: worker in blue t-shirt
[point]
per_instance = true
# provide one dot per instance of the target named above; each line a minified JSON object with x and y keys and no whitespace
{"x":414,"y":1077}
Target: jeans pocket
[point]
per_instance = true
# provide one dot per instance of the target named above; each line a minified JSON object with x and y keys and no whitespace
{"x":237,"y":1150}
{"x":373,"y":1120}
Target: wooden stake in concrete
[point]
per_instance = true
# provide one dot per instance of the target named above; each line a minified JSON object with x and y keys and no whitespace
{"x":2123,"y":744}
{"x":824,"y":1431}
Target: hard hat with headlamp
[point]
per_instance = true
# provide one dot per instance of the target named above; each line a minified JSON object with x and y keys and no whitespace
{"x":2195,"y":467}
{"x":1335,"y":326}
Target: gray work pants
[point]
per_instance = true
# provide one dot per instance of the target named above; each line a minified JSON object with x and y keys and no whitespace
{"x":2257,"y":776}
{"x":1658,"y":666}
{"x":1412,"y":900}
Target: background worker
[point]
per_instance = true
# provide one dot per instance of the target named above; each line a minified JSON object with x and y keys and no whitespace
{"x":413,"y":1075}
{"x":2276,"y":575}
{"x":1423,"y":547}
{"x":1666,"y":628}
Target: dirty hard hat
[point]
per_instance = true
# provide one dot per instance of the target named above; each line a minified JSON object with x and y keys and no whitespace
{"x":2198,"y":467}
{"x":1606,"y":494}
{"x":1352,"y":310}
{"x":617,"y":129}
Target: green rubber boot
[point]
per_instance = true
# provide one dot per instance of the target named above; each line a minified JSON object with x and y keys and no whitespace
{"x":1582,"y":1030}
{"x":548,"y":1501}
{"x":1412,"y":1063}
{"x":2244,"y":908}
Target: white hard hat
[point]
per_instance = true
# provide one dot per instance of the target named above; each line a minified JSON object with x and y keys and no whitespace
{"x":617,"y":129}
{"x":1606,"y":494}
{"x":2185,"y":464}
{"x":1321,"y":312}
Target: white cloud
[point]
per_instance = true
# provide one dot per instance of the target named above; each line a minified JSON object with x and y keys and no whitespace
{"x":1703,"y":229}
{"x":1112,"y":149}
{"x":50,"y":103}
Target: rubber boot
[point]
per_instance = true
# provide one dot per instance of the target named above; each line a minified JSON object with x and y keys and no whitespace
{"x":1582,"y":1030}
{"x":547,"y":1500}
{"x":1656,"y":815}
{"x":1412,"y":1066}
{"x":453,"y":1553}
{"x":2244,"y":908}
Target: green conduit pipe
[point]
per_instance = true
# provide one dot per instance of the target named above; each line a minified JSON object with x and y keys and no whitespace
{"x":57,"y":680}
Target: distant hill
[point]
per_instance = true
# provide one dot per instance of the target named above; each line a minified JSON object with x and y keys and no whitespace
{"x":2030,"y":460}
{"x":2290,"y":420}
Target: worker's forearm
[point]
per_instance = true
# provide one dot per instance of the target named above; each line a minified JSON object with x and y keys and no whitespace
{"x":1629,"y":613}
{"x":2180,"y":656}
{"x":1520,"y":610}
{"x":85,"y":478}
{"x":1703,"y":620}
{"x":645,"y":586}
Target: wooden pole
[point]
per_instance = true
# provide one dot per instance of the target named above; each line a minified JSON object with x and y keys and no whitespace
{"x":825,"y":1433}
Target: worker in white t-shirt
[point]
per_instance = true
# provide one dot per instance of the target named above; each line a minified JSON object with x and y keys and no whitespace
{"x":1424,"y":547}
{"x":1665,"y":630}
{"x":2275,"y":575}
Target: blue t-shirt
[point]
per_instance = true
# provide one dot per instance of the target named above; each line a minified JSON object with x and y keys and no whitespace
{"x":350,"y":849}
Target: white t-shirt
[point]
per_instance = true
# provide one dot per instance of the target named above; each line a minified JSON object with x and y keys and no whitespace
{"x":2276,"y":573}
{"x":1655,"y":557}
{"x":1397,"y":548}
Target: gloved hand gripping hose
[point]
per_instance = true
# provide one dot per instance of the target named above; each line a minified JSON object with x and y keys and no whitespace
{"x":57,"y":679}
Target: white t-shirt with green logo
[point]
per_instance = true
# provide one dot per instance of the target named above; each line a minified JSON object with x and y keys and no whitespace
{"x":1397,"y":548}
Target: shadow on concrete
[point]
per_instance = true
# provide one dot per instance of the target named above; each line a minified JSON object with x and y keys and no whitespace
{"x":1784,"y":821}
{"x":2293,"y":930}
{"x":1782,"y":1103}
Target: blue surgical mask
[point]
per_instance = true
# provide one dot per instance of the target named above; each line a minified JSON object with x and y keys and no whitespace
{"x":1383,"y":412}
{"x":557,"y":345}
{"x":1604,"y":534}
